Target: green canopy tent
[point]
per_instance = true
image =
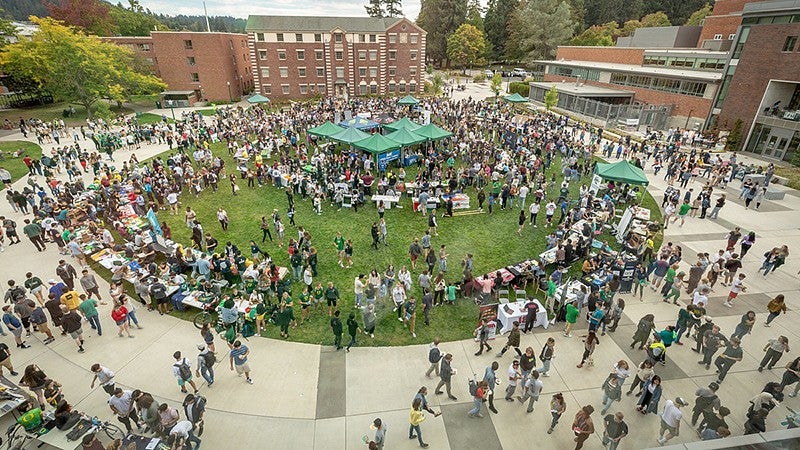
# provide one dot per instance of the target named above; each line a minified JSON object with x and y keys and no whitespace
{"x":402,"y":123}
{"x":349,"y":135}
{"x":622,"y":171}
{"x":515,"y":98}
{"x":405,"y":138}
{"x":258,"y":98}
{"x":432,"y":133}
{"x":383,"y":148}
{"x":326,"y":130}
{"x":408,"y":100}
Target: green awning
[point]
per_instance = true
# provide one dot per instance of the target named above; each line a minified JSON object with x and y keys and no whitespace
{"x":405,"y":137}
{"x":327,"y":129}
{"x":402,"y":123}
{"x":515,"y":98}
{"x":349,"y":135}
{"x":258,"y":98}
{"x":432,"y":133}
{"x":408,"y":100}
{"x":622,"y":171}
{"x":376,"y":144}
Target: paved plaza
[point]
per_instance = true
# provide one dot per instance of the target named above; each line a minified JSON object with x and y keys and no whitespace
{"x":312,"y":397}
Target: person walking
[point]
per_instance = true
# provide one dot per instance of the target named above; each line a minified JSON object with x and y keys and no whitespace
{"x":557,"y":408}
{"x":513,"y":340}
{"x":791,"y":376}
{"x":589,"y":344}
{"x":712,"y":340}
{"x":732,"y":354}
{"x":71,"y":324}
{"x":122,"y":405}
{"x":614,"y":429}
{"x":481,"y":393}
{"x":643,"y":374}
{"x":410,"y":315}
{"x":531,"y":388}
{"x":773,"y":352}
{"x":546,"y":355}
{"x":446,"y":373}
{"x":120,"y":316}
{"x":14,"y":325}
{"x":34,"y":232}
{"x":650,"y":396}
{"x":238,"y":358}
{"x":775,"y":307}
{"x":737,"y":286}
{"x":514,"y":376}
{"x":521,"y":222}
{"x":571,"y":317}
{"x":194,"y":406}
{"x":612,"y":392}
{"x":706,"y":401}
{"x":5,"y":360}
{"x":352,"y":330}
{"x":745,"y":325}
{"x":717,"y":207}
{"x":416,"y":417}
{"x":336,"y":327}
{"x":671,"y":420}
{"x":105,"y":377}
{"x":205,"y":364}
{"x":434,"y":357}
{"x":182,"y":371}
{"x":583,"y":426}
{"x":482,"y":333}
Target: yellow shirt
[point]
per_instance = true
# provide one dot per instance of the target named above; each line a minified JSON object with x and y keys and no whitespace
{"x":416,"y":417}
{"x":71,"y":299}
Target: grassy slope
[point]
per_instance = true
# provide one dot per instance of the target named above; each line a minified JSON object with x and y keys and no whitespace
{"x":15,"y":165}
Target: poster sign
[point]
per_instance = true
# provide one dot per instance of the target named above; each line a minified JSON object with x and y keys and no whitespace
{"x":597,"y":181}
{"x":488,"y":312}
{"x":510,"y":138}
{"x":386,"y":158}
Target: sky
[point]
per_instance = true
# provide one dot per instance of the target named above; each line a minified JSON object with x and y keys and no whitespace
{"x":243,"y":8}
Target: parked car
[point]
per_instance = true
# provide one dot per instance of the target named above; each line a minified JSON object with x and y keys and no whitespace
{"x":489,"y":74}
{"x":522,"y":73}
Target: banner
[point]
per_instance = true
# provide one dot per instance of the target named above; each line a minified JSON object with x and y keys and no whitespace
{"x":597,"y":181}
{"x":151,"y":217}
{"x":488,"y":312}
{"x":386,"y":158}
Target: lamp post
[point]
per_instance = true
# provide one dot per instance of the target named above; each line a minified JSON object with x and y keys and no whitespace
{"x":230,"y":97}
{"x":171,"y":106}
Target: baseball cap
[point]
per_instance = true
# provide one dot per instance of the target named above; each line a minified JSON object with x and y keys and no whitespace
{"x":201,"y":347}
{"x":681,"y":402}
{"x":714,"y":386}
{"x":376,"y":424}
{"x":51,"y":281}
{"x":516,"y":361}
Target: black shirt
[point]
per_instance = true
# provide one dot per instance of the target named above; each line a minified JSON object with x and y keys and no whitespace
{"x":615,"y":429}
{"x":4,"y":354}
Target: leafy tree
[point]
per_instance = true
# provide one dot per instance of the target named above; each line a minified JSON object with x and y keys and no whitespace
{"x":496,"y":84}
{"x":678,"y":11}
{"x":577,"y":12}
{"x":520,"y":87}
{"x":474,"y":15}
{"x":22,"y":9}
{"x":599,"y":12}
{"x":698,"y":16}
{"x":91,"y":15}
{"x":551,"y":98}
{"x":467,"y":46}
{"x":394,"y":8}
{"x":7,"y":30}
{"x":597,"y":36}
{"x":440,"y":18}
{"x":135,"y":20}
{"x":538,"y":27}
{"x":77,"y":68}
{"x":436,"y":84}
{"x":498,"y":13}
{"x":657,"y":19}
{"x":734,"y":139}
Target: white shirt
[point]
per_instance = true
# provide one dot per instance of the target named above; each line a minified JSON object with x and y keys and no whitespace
{"x":534,"y":208}
{"x":534,"y":386}
{"x":105,"y":376}
{"x":736,"y":286}
{"x":550,"y":208}
{"x":671,"y":415}
{"x":122,"y":403}
{"x":182,"y":429}
{"x":700,"y":299}
{"x":512,"y":375}
{"x":172,"y":198}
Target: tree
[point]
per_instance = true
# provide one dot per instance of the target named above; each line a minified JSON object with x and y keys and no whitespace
{"x":734,"y":139}
{"x":394,"y":8}
{"x":467,"y":46}
{"x":73,"y":67}
{"x":657,"y":19}
{"x":678,"y":11}
{"x":577,"y":12}
{"x":440,"y":18}
{"x":597,"y":36}
{"x":375,"y":8}
{"x":698,"y":16}
{"x":384,"y":8}
{"x":599,"y":12}
{"x":436,"y":84}
{"x":7,"y":30}
{"x":474,"y":15}
{"x":538,"y":27}
{"x":551,"y":98}
{"x":496,"y":84}
{"x":136,"y":21}
{"x":495,"y":23}
{"x":91,"y":15}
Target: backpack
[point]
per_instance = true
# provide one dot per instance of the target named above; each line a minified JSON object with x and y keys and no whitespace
{"x":79,"y":430}
{"x":210,"y":359}
{"x":703,"y":403}
{"x":473,"y":388}
{"x":434,"y":355}
{"x":18,"y":293}
{"x":183,"y":370}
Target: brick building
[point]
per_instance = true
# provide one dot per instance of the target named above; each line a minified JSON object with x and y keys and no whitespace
{"x":296,"y":57}
{"x":719,"y":28}
{"x":199,"y":66}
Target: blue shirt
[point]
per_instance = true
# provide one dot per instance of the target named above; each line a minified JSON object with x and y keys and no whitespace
{"x":238,"y":355}
{"x":10,"y":319}
{"x":597,"y":316}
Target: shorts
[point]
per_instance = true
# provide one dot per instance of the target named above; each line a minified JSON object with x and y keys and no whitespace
{"x":332,"y":302}
{"x":76,"y":334}
{"x":17,"y":332}
{"x":673,"y":431}
{"x":161,"y":301}
{"x":181,"y":381}
{"x":732,"y":294}
{"x":121,"y":322}
{"x":414,"y":257}
{"x":36,"y":290}
{"x":242,"y":368}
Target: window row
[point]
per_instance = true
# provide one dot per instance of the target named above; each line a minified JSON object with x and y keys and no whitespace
{"x":363,"y":72}
{"x":693,"y":88}
{"x":575,"y":72}
{"x":303,"y":89}
{"x":687,"y":62}
{"x":338,"y":55}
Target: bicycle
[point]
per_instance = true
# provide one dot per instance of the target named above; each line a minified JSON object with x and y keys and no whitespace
{"x":110,"y":429}
{"x":16,"y":442}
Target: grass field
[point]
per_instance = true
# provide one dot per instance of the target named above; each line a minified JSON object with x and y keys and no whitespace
{"x":55,"y":111}
{"x":150,"y":118}
{"x":492,"y":239}
{"x":14,"y":164}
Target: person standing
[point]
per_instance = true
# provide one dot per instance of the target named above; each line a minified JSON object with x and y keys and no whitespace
{"x":35,"y":286}
{"x":571,"y":317}
{"x":532,"y":388}
{"x":717,"y":207}
{"x":416,"y":417}
{"x":737,"y":286}
{"x":122,"y":405}
{"x":589,"y":345}
{"x":14,"y":325}
{"x":414,"y":251}
{"x":67,"y":273}
{"x":791,"y":376}
{"x":182,"y":371}
{"x":774,"y":350}
{"x":336,"y":327}
{"x":34,"y":232}
{"x":583,"y":426}
{"x":547,"y":354}
{"x":105,"y":377}
{"x":514,"y":376}
{"x":352,"y":330}
{"x":71,"y":324}
{"x":89,"y":284}
{"x":205,"y":364}
{"x":239,"y":356}
{"x":557,"y":408}
{"x":410,"y":315}
{"x":490,"y":377}
{"x":446,"y":373}
{"x":612,"y":391}
{"x":732,"y":354}
{"x":369,"y":318}
{"x":513,"y":340}
{"x":5,"y":360}
{"x":615,"y":429}
{"x":194,"y":406}
{"x":707,"y":402}
{"x":380,"y":434}
{"x":434,"y":357}
{"x":671,"y":420}
{"x":775,"y":307}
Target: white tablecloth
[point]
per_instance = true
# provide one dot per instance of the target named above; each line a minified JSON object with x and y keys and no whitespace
{"x":518,"y":313}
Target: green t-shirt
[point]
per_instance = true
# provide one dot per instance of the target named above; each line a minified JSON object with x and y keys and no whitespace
{"x":88,"y":307}
{"x":670,"y":277}
{"x":451,"y":292}
{"x":339,"y":241}
{"x":684,"y":209}
{"x":572,"y":313}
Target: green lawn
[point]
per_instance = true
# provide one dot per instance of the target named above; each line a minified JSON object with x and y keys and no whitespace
{"x":492,"y":239}
{"x":150,"y":118}
{"x":55,"y":111}
{"x":15,"y":164}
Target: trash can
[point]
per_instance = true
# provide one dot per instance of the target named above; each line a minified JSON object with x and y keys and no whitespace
{"x":158,"y":104}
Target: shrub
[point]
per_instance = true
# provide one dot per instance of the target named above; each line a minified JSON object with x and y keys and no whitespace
{"x":521,"y":88}
{"x":480,"y":77}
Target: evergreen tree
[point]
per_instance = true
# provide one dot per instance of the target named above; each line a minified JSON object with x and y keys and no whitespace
{"x":474,"y":15}
{"x":375,"y":8}
{"x":698,"y":16}
{"x":495,"y":23}
{"x":393,"y":8}
{"x":538,"y":27}
{"x":440,"y":18}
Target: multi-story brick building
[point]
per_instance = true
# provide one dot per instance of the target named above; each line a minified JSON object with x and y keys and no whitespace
{"x":295,"y":57}
{"x":196,"y":66}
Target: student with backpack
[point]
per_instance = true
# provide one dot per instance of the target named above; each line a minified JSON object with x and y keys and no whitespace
{"x":182,"y":370}
{"x":205,"y":364}
{"x":434,"y":357}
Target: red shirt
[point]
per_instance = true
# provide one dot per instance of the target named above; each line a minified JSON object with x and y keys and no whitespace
{"x":119,"y":314}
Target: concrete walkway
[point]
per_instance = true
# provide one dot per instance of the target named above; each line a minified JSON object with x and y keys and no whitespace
{"x":310,"y":397}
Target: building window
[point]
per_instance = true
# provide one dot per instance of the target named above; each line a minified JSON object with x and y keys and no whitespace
{"x":191,"y":61}
{"x":262,"y":55}
{"x":317,"y":37}
{"x":392,"y":87}
{"x":265,"y":72}
{"x":717,"y":37}
{"x":373,"y":55}
{"x":266,"y":89}
{"x":413,"y":54}
{"x":282,"y":55}
{"x":412,"y":71}
{"x":301,"y":72}
{"x":402,"y":87}
{"x":303,"y":89}
{"x":362,"y":90}
{"x":280,"y":37}
{"x":373,"y":72}
{"x":301,"y":55}
{"x":392,"y":71}
{"x":693,"y":88}
{"x":144,"y":47}
{"x":373,"y":89}
{"x":337,"y":38}
{"x":731,"y":36}
{"x":298,"y":37}
{"x":362,"y":71}
{"x":373,"y":38}
{"x":413,"y":39}
{"x":320,"y":72}
{"x":259,"y":37}
{"x":195,"y":77}
{"x":285,"y":89}
{"x":321,"y":88}
{"x":362,"y":55}
{"x":392,"y":38}
{"x":318,"y":55}
{"x":790,"y":43}
{"x":339,"y":55}
{"x":362,"y":38}
{"x":340,"y":72}
{"x":412,"y":87}
{"x":187,"y":44}
{"x":284,"y":72}
{"x":392,"y":55}
{"x":403,"y":38}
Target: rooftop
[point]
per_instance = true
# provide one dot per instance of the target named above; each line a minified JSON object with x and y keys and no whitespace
{"x":637,"y":69}
{"x":321,"y":24}
{"x":584,"y":90}
{"x":686,"y":52}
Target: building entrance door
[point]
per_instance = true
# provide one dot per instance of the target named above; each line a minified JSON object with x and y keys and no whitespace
{"x":777,"y":143}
